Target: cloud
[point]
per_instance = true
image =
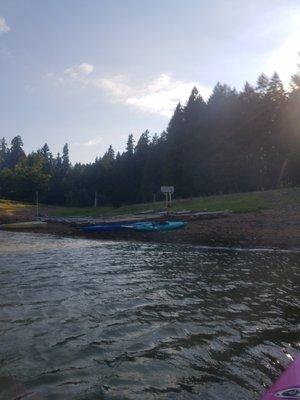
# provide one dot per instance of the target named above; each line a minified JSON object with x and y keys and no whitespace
{"x":90,"y":142}
{"x":79,"y":71}
{"x":163,"y":94}
{"x":3,"y":26}
{"x":158,"y":95}
{"x":115,"y":86}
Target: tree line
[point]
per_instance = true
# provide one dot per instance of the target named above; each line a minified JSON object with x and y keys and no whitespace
{"x":233,"y":142}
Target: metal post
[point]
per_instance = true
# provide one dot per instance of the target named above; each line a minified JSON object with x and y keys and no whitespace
{"x":37,"y":203}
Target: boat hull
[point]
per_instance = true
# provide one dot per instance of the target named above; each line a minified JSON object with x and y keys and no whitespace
{"x":287,"y":385}
{"x":102,"y":228}
{"x":156,"y":226}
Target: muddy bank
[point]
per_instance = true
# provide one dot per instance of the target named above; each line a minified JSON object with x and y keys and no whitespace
{"x":278,"y":227}
{"x":271,"y":228}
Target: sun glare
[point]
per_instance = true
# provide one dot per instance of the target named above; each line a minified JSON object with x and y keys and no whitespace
{"x":285,"y":57}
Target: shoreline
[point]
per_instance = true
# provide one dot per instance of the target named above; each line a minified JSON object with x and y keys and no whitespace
{"x":264,"y":229}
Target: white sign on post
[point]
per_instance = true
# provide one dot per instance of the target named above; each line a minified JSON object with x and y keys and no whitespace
{"x":168,"y":190}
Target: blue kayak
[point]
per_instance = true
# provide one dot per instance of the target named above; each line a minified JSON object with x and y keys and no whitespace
{"x":155,"y":226}
{"x":103,"y":228}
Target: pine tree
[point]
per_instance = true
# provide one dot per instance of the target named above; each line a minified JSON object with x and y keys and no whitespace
{"x":173,"y":173}
{"x":130,"y":146}
{"x":262,"y":84}
{"x":108,"y":158}
{"x":3,"y":152}
{"x":295,"y":80}
{"x":45,"y":151}
{"x":16,"y":152}
{"x":275,"y":89}
{"x":143,"y":142}
{"x":155,"y":140}
{"x":65,"y":157}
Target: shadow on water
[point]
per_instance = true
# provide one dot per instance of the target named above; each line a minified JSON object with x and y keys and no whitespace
{"x":83,"y":319}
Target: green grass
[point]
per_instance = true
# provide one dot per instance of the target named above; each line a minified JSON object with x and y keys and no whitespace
{"x":240,"y":202}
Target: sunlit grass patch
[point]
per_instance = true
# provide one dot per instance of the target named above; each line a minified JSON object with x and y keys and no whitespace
{"x":9,"y":208}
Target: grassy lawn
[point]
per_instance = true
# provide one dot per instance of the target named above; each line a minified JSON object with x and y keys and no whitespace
{"x":243,"y":202}
{"x":240,"y":202}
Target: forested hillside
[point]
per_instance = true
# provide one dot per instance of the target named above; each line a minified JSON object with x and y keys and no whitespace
{"x":234,"y":142}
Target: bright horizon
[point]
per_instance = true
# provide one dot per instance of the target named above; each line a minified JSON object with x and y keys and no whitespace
{"x":89,"y":74}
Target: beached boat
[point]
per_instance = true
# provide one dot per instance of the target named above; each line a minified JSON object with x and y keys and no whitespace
{"x":287,"y":385}
{"x":24,"y":225}
{"x":156,"y":226}
{"x":103,"y":228}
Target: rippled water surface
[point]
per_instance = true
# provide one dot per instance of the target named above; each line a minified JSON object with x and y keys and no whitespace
{"x":83,"y":319}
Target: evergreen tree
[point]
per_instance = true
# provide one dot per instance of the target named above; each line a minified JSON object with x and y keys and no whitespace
{"x":65,"y":157}
{"x":30,"y":177}
{"x":290,"y":172}
{"x":295,"y":80}
{"x":155,"y":140}
{"x":3,"y":152}
{"x":275,"y":89}
{"x":262,"y":84}
{"x":45,"y":151}
{"x":173,"y":173}
{"x":130,"y":146}
{"x":47,"y":158}
{"x":16,"y":152}
{"x":108,"y":157}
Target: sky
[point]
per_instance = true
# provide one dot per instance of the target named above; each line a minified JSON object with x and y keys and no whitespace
{"x":90,"y":72}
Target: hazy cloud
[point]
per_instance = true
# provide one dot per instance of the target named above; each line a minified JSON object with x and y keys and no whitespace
{"x":114,"y":86}
{"x":3,"y":26}
{"x":79,"y":71}
{"x":158,"y":95}
{"x":163,"y":94}
{"x":90,"y":142}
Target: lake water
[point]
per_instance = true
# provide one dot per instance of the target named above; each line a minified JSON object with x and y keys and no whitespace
{"x":83,"y":319}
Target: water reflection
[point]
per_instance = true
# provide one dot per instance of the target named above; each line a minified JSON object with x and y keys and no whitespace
{"x":84,"y":319}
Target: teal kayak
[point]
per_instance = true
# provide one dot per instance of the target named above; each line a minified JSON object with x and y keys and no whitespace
{"x":156,"y":226}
